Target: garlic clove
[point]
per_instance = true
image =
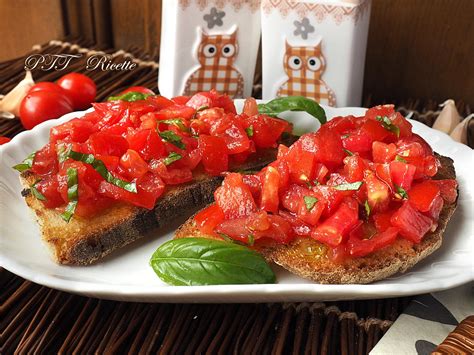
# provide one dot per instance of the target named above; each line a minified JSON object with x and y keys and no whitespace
{"x":448,"y":118}
{"x":459,"y":133}
{"x":11,"y":101}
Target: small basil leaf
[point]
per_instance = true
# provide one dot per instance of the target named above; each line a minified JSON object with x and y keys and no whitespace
{"x":309,"y":202}
{"x":72,"y":194}
{"x":36,"y":193}
{"x":367,"y":208}
{"x":388,"y":125}
{"x":178,"y":122}
{"x":130,"y":96}
{"x":249,"y":131}
{"x":200,"y":261}
{"x":173,"y":138}
{"x":172,"y":157}
{"x":348,"y":152}
{"x":26,"y":164}
{"x":399,"y":158}
{"x":349,"y":186}
{"x":293,"y":103}
{"x":100,"y":167}
{"x":401,"y":191}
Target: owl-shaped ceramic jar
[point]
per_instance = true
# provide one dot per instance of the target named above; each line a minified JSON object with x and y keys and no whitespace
{"x":315,"y":49}
{"x":208,"y":44}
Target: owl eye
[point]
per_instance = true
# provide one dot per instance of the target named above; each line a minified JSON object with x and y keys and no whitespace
{"x":294,"y":62}
{"x":314,"y":63}
{"x":228,"y":50}
{"x":209,"y":50}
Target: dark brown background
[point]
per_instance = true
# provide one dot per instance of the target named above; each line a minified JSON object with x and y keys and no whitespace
{"x":416,"y":48}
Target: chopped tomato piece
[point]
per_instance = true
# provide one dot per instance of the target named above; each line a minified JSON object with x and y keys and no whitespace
{"x":381,"y":110}
{"x":76,"y":130}
{"x":208,"y":218}
{"x":45,"y":161}
{"x":270,"y":182}
{"x":234,"y":197}
{"x":335,"y":228}
{"x":266,"y":130}
{"x":413,"y":225}
{"x":133,"y":164}
{"x":298,"y":226}
{"x":383,"y":153}
{"x":362,"y":247}
{"x":49,"y":188}
{"x":402,"y":174}
{"x":148,"y":144}
{"x":354,"y":167}
{"x":102,"y":143}
{"x":378,"y":193}
{"x":170,"y":176}
{"x":382,"y":220}
{"x":214,"y":154}
{"x":423,"y":194}
{"x":448,"y":189}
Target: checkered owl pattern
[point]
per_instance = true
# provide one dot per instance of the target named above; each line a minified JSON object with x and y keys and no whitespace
{"x":304,"y":67}
{"x":216,"y":54}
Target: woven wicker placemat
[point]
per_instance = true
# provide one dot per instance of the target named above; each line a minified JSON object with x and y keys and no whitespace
{"x":37,"y":319}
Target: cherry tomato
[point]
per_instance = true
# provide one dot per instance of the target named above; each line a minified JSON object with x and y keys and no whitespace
{"x":140,"y":89}
{"x":40,"y":106}
{"x":4,"y":140}
{"x":80,"y":88}
{"x":49,"y":86}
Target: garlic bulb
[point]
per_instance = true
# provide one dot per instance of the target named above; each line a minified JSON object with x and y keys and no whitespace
{"x":10,"y":103}
{"x":459,"y":133}
{"x":448,"y":118}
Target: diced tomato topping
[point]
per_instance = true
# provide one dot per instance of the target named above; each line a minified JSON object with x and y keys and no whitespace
{"x":362,"y":247}
{"x":147,"y":143}
{"x":413,"y":225}
{"x":378,"y":193}
{"x":214,"y":154}
{"x":335,"y":228}
{"x":208,"y":218}
{"x":402,"y":174}
{"x":270,"y":183}
{"x":45,"y":161}
{"x":48,"y":187}
{"x":383,"y":153}
{"x":448,"y":189}
{"x":299,"y":227}
{"x":76,"y":130}
{"x":101,"y":143}
{"x":133,"y":164}
{"x":423,"y":194}
{"x":382,"y":220}
{"x":234,"y":197}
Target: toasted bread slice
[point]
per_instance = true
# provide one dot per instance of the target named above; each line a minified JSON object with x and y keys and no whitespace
{"x":305,"y":257}
{"x":83,"y":241}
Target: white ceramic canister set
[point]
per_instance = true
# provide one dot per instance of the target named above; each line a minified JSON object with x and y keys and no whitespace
{"x":309,"y":48}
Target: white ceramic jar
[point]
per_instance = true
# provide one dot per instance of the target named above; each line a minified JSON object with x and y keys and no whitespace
{"x":208,"y":44}
{"x":315,"y":48}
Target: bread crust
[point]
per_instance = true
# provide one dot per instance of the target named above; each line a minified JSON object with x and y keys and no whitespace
{"x":84,"y":241}
{"x":303,"y":256}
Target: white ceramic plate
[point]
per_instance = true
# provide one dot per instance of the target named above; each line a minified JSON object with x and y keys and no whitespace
{"x":126,"y":275}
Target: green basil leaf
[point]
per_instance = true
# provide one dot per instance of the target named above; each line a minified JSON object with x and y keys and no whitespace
{"x":388,"y":125}
{"x":249,"y":131}
{"x":172,"y":157}
{"x":349,"y":186}
{"x":173,"y":138}
{"x":309,"y":202}
{"x":201,"y":261}
{"x":26,"y":164}
{"x":399,"y":158}
{"x":293,"y":103}
{"x":401,"y":191}
{"x":100,"y":167}
{"x":36,"y":193}
{"x":178,"y":122}
{"x":72,"y":194}
{"x":348,"y":152}
{"x":367,"y":208}
{"x":130,"y":96}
